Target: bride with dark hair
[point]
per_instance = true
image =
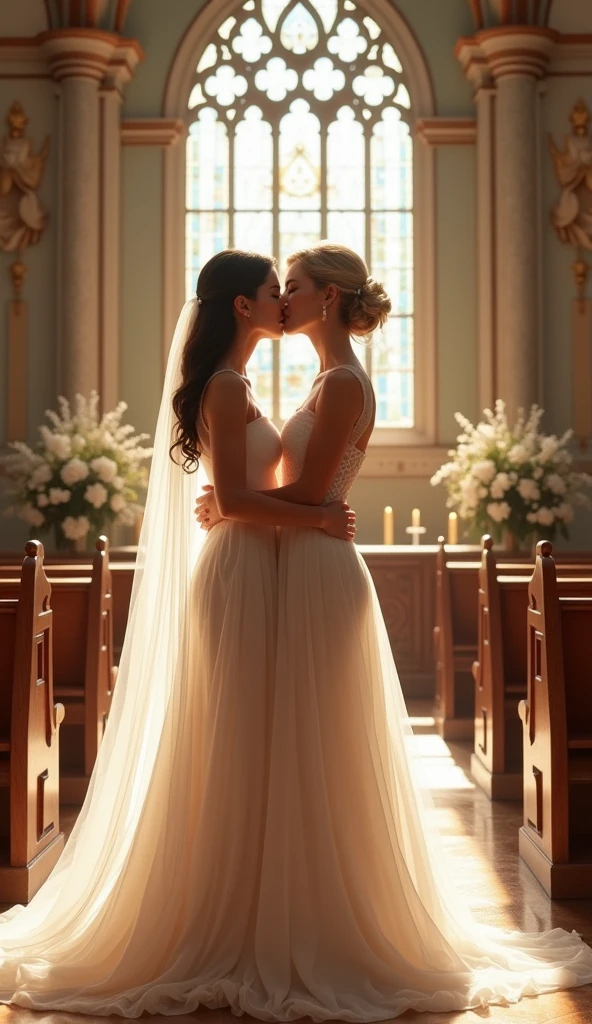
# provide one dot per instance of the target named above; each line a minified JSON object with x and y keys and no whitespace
{"x":153,"y":904}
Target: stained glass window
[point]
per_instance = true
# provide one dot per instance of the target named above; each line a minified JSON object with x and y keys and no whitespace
{"x":299,"y":130}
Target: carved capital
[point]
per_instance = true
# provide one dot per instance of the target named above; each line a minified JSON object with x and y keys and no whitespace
{"x":104,"y":57}
{"x":495,"y":53}
{"x":517,"y":50}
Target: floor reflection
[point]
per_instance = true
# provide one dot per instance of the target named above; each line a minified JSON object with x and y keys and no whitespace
{"x":480,"y":841}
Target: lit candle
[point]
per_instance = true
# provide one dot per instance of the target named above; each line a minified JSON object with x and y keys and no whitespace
{"x":453,"y":528}
{"x":388,"y":526}
{"x":415,"y":517}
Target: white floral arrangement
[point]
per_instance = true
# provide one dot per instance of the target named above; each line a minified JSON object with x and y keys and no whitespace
{"x":515,"y":481}
{"x":82,"y":474}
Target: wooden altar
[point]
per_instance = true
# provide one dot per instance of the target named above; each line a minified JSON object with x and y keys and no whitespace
{"x":405,"y":579}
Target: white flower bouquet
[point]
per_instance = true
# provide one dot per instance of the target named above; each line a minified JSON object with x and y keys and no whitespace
{"x":513,"y":481}
{"x":82,"y":474}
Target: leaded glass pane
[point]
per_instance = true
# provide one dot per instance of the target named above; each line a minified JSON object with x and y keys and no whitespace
{"x":299,"y":32}
{"x":253,"y":162}
{"x":391,"y":164}
{"x":207,"y":163}
{"x":260,"y":373}
{"x":347,"y":228}
{"x":299,"y":365}
{"x":392,"y":256}
{"x":297,"y":231}
{"x":300,"y":159}
{"x":392,"y":350}
{"x":346,"y":158}
{"x":254,"y":231}
{"x":205,"y":234}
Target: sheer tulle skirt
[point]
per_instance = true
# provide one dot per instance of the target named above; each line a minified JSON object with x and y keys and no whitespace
{"x":357,"y":918}
{"x":282,"y":862}
{"x":169,"y":922}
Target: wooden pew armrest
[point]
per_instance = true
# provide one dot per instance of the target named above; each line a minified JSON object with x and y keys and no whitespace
{"x":523,"y":711}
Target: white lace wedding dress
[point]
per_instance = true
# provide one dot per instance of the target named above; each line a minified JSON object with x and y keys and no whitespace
{"x":253,"y":835}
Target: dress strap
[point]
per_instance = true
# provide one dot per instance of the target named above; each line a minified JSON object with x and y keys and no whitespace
{"x":225,"y":369}
{"x":365,"y":417}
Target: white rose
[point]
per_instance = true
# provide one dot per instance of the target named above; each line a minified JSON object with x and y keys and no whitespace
{"x":531,"y":517}
{"x":564,"y":512}
{"x":105,"y":468}
{"x":549,"y":446}
{"x":545,"y":516}
{"x":528,"y":489}
{"x":78,"y":443}
{"x":73,"y":471}
{"x":518,"y":454}
{"x":96,"y":495}
{"x":498,"y":511}
{"x":537,"y":473}
{"x":484,"y":470}
{"x":41,"y":475}
{"x":500,"y":485}
{"x":32,"y":516}
{"x":556,"y":483}
{"x":59,"y":496}
{"x":42,"y":500}
{"x":126,"y":517}
{"x":75,"y":528}
{"x":117,"y":502}
{"x":60,"y":445}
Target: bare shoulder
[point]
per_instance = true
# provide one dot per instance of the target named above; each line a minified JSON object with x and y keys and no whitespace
{"x":342,"y":387}
{"x":225,"y":394}
{"x":225,"y":387}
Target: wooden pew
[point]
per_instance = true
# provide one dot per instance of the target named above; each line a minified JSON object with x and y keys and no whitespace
{"x":456,"y":633}
{"x":455,"y":641}
{"x":30,"y":837}
{"x":500,"y":669}
{"x":556,"y":837}
{"x":84,"y":672}
{"x":122,"y":574}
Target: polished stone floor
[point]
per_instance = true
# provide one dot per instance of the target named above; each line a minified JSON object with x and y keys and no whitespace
{"x":481,"y":840}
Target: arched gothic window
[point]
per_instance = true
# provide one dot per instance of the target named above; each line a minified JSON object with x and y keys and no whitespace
{"x":299,"y":130}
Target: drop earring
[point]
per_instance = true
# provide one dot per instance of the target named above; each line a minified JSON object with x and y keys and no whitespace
{"x":324,"y":316}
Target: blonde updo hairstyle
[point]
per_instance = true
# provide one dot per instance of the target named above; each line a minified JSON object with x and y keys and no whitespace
{"x":363,"y":302}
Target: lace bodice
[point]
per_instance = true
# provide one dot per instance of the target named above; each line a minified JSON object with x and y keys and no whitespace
{"x":264,"y":449}
{"x":296,"y":435}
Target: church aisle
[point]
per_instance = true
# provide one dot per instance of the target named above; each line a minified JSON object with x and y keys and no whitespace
{"x":481,"y":840}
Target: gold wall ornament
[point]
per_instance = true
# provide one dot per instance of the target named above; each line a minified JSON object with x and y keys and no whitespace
{"x":572,"y":214}
{"x":22,"y":219}
{"x":22,"y":222}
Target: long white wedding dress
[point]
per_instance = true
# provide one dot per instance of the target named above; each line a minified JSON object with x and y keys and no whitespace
{"x":253,"y":835}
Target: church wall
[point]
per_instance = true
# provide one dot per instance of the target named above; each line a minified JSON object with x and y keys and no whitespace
{"x":159,"y":28}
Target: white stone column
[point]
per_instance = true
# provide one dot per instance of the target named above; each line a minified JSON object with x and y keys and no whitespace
{"x":505,"y":65}
{"x":78,"y":60}
{"x":517,"y":57}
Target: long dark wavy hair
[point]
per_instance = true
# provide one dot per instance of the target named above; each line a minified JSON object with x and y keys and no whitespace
{"x":227,"y":275}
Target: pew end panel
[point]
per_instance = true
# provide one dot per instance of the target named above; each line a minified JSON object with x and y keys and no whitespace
{"x":555,"y":839}
{"x":454,"y":645}
{"x":29,"y":754}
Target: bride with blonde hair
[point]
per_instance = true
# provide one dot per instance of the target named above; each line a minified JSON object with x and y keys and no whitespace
{"x":357,"y":918}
